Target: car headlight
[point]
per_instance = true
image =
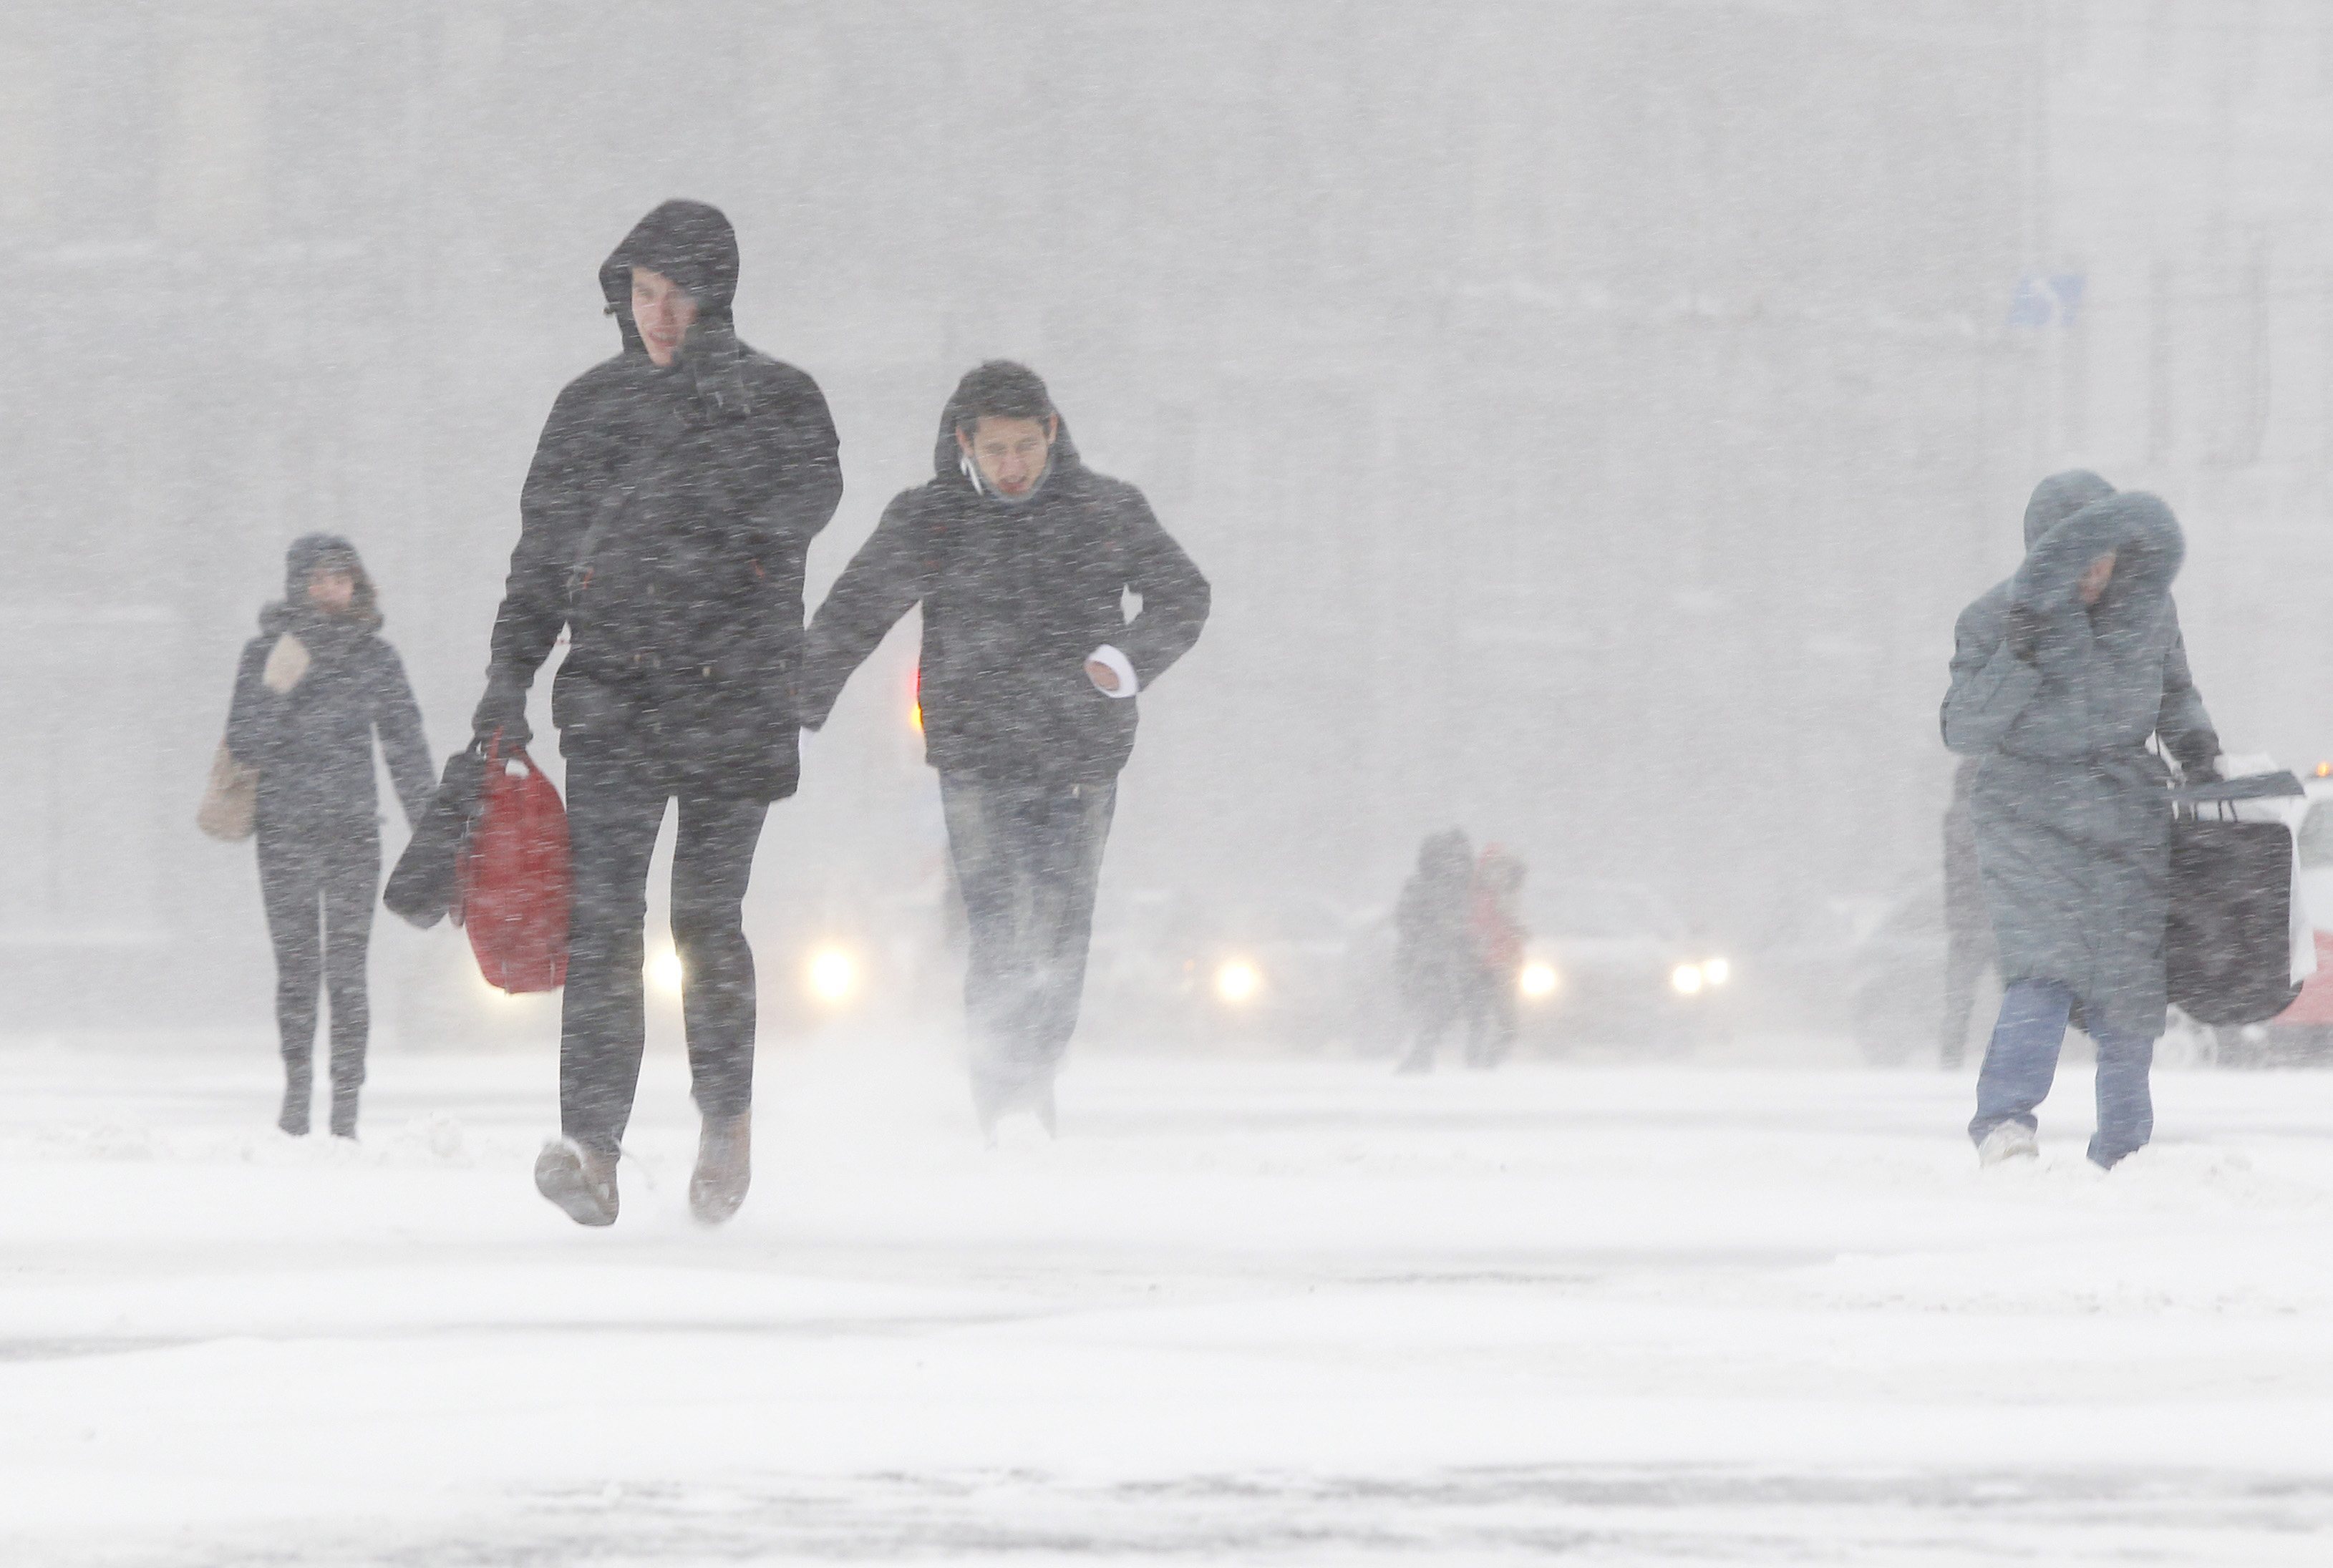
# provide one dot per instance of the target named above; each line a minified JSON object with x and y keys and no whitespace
{"x":1238,"y":981}
{"x":1687,"y":980}
{"x":666,"y":971}
{"x":832,"y":975}
{"x":1716,"y":970}
{"x":1538,"y":979}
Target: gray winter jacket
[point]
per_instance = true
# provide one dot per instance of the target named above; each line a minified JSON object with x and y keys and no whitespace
{"x":2072,"y":822}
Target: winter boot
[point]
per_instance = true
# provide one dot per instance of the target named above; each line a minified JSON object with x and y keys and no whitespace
{"x":581,"y":1180}
{"x":299,"y":1088}
{"x":344,"y":1111}
{"x":724,"y":1167}
{"x":2010,"y":1140}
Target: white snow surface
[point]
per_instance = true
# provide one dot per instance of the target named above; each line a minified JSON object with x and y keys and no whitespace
{"x":1241,"y":1310}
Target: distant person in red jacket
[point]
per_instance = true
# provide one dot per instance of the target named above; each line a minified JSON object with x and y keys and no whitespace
{"x":1495,"y":924}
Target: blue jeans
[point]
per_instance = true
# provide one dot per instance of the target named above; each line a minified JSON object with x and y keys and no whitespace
{"x":1027,"y":859}
{"x":2022,"y":1057}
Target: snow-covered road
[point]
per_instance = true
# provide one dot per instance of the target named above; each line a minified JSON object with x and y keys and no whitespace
{"x":1242,"y":1311}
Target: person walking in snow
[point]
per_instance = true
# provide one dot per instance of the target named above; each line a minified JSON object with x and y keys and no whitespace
{"x":311,"y":693}
{"x":1022,"y":556}
{"x":1434,"y":945}
{"x":663,"y":527}
{"x":1496,"y":934}
{"x":2060,"y":677}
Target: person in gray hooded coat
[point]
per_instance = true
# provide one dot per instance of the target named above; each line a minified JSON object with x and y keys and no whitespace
{"x":2060,"y":676}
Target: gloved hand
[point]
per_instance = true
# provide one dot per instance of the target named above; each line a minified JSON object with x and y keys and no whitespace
{"x":503,"y":708}
{"x":2024,"y":638}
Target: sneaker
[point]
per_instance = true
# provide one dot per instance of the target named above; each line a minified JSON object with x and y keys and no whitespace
{"x":579,"y":1181}
{"x":2010,"y":1140}
{"x":724,"y":1167}
{"x":995,"y":1096}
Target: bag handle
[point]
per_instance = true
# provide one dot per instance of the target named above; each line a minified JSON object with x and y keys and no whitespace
{"x":494,"y":757}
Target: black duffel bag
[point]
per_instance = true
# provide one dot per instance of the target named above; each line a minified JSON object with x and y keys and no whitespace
{"x":422,"y":888}
{"x":2227,"y":946}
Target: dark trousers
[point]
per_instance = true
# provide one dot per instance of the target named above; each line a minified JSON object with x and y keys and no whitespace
{"x":319,"y":887}
{"x":2021,"y":1060}
{"x":1491,"y":1021}
{"x":1433,"y":1010}
{"x":615,"y":804}
{"x":1028,"y":858}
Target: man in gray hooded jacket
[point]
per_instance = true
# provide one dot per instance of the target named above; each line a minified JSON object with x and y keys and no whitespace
{"x":2060,"y":676}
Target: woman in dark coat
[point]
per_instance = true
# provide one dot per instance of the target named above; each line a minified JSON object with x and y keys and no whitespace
{"x":2060,"y":677}
{"x":310,"y":692}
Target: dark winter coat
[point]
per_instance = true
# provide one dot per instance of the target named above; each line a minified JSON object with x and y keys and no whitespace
{"x":663,"y":525}
{"x":2072,"y":820}
{"x":1015,"y":596}
{"x":1434,"y":957}
{"x":313,"y":745}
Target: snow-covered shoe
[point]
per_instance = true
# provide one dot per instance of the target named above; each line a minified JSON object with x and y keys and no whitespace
{"x":995,"y":1096}
{"x":725,"y":1167}
{"x":2010,"y":1140}
{"x":579,"y":1180}
{"x":293,"y":1118}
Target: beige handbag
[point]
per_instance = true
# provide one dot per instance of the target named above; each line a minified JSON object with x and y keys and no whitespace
{"x":231,"y":800}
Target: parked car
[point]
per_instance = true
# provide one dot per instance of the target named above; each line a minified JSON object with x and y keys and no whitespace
{"x":1253,"y":969}
{"x":1614,"y":963}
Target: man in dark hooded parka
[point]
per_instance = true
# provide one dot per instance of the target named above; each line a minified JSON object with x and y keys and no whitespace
{"x":1022,"y":558}
{"x":672,"y":499}
{"x":2060,"y":676}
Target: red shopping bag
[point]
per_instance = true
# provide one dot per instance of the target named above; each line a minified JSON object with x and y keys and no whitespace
{"x":514,"y":876}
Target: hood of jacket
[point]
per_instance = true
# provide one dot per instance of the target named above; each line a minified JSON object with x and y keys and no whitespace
{"x":948,"y":464}
{"x":1446,"y":857}
{"x":294,"y":613}
{"x":2148,"y":548}
{"x":693,"y":244}
{"x":2057,"y":498}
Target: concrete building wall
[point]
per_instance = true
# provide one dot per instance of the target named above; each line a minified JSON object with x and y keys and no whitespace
{"x":1590,"y":413}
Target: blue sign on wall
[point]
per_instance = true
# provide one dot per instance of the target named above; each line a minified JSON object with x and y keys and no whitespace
{"x":2046,"y":299}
